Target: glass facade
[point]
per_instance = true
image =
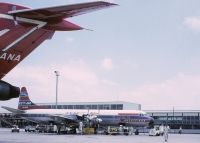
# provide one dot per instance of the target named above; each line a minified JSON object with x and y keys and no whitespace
{"x":90,"y":106}
{"x":188,"y":120}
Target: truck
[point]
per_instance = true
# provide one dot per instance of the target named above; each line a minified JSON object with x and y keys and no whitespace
{"x":156,"y":131}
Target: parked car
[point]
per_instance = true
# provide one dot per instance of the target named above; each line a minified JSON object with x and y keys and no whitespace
{"x":15,"y":129}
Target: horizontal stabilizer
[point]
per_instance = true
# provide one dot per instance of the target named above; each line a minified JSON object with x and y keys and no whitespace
{"x":61,"y":12}
{"x":12,"y":110}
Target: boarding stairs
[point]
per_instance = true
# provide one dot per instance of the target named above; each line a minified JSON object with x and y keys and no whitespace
{"x":4,"y":120}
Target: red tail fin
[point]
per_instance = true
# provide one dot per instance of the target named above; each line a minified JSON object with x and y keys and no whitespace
{"x":6,"y":7}
{"x":18,"y":37}
{"x":25,"y":103}
{"x":13,"y":49}
{"x":24,"y":100}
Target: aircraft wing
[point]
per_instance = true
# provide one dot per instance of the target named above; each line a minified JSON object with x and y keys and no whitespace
{"x":70,"y":118}
{"x":12,"y":110}
{"x":60,"y":12}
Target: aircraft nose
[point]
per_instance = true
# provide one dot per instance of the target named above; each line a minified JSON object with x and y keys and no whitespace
{"x":151,"y":122}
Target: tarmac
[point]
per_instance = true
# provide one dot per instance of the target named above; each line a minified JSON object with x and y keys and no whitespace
{"x":23,"y":137}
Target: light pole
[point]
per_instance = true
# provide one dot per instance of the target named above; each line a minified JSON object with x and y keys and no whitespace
{"x":57,"y":74}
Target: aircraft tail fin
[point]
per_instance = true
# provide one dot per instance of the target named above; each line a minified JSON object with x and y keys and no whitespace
{"x":25,"y":103}
{"x":24,"y":100}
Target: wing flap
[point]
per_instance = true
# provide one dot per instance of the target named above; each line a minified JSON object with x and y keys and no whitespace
{"x":60,"y":12}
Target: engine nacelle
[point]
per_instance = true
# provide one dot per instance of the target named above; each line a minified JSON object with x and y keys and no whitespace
{"x":7,"y":91}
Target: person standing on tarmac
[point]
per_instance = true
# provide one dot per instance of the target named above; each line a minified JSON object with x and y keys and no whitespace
{"x":166,"y":128}
{"x":180,"y":130}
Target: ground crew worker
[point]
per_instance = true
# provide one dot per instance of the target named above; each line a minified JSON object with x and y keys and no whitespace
{"x":166,"y":128}
{"x":180,"y":130}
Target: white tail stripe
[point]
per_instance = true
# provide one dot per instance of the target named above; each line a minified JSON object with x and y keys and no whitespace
{"x":2,"y":32}
{"x":40,"y":24}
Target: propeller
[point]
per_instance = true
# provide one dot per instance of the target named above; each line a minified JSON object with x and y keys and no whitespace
{"x":92,"y":119}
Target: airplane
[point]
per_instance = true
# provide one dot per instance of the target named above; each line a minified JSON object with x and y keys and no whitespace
{"x":44,"y":114}
{"x":132,"y":118}
{"x":23,"y":29}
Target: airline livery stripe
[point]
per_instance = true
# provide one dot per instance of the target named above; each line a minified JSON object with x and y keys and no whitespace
{"x":2,"y":32}
{"x":40,"y":24}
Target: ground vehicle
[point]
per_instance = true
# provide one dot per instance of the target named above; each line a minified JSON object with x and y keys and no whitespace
{"x":113,"y":131}
{"x":154,"y":132}
{"x":126,"y":131}
{"x":46,"y":128}
{"x":30,"y":129}
{"x":42,"y":129}
{"x":157,"y":131}
{"x":15,"y":129}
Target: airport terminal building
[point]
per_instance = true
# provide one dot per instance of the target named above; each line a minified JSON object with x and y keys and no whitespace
{"x":187,"y":119}
{"x":118,"y":105}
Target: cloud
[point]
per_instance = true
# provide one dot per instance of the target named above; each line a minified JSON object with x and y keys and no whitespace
{"x":108,"y":82}
{"x":192,"y":22}
{"x":77,"y":82}
{"x":107,"y":64}
{"x":69,"y":39}
{"x":181,"y":92}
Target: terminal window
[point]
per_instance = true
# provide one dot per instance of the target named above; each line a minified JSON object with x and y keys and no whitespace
{"x":113,"y":107}
{"x":119,"y":106}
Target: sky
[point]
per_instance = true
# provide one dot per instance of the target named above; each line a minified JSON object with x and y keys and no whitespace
{"x":142,"y":51}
